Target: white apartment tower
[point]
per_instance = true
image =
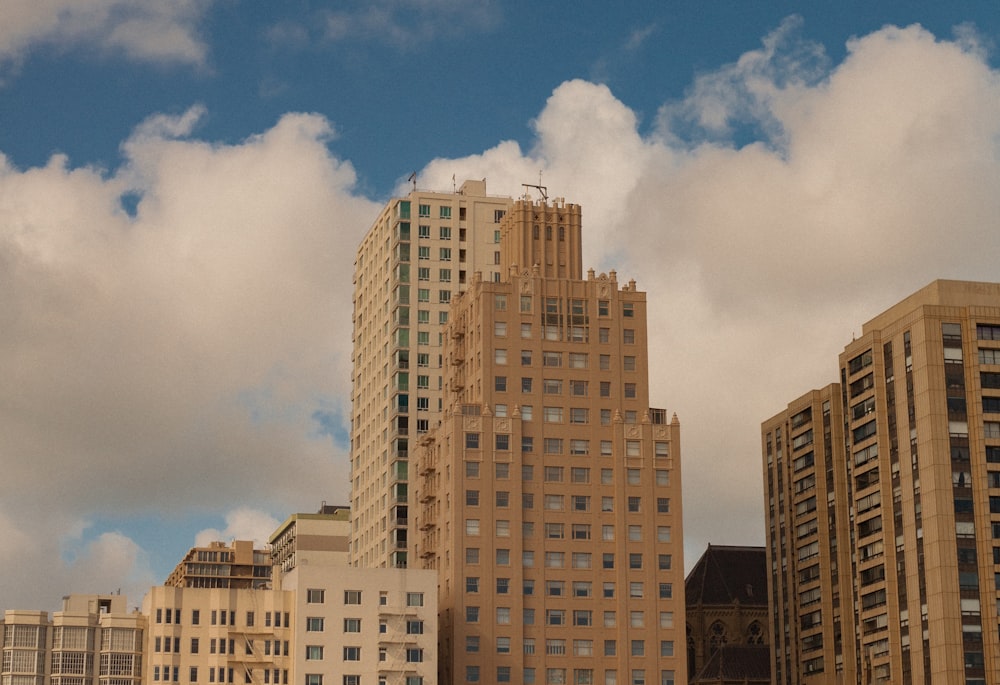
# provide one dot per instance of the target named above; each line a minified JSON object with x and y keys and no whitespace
{"x":420,"y":252}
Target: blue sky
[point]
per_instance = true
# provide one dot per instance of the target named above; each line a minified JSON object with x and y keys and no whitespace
{"x":184,"y":184}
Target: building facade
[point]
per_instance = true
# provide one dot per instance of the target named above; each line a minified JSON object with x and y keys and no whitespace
{"x":548,"y":501}
{"x":94,"y":640}
{"x":353,"y":626}
{"x":420,"y":252}
{"x":902,"y":527}
{"x":236,"y":565}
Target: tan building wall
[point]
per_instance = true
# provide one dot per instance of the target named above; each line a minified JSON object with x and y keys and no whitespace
{"x":549,"y":499}
{"x":219,"y":635}
{"x":920,"y":394}
{"x":94,"y":640}
{"x":419,"y":253}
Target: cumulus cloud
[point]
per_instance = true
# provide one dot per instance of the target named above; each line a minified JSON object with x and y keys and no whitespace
{"x":190,"y":354}
{"x":188,"y":357}
{"x":145,"y":31}
{"x":241,"y":524}
{"x":867,"y":180}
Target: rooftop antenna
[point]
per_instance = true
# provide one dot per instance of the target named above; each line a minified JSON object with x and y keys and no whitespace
{"x":413,"y":179}
{"x":540,"y":188}
{"x":453,"y":189}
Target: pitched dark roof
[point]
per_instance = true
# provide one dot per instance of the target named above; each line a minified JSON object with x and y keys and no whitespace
{"x":726,"y":574}
{"x":741,"y":663}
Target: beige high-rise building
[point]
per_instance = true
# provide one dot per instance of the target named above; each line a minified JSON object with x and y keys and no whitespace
{"x":419,"y":253}
{"x":548,"y":500}
{"x":94,"y":640}
{"x":885,"y":560}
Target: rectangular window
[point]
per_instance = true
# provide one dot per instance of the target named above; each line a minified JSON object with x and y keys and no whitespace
{"x":314,"y":624}
{"x":352,"y":654}
{"x":315,"y":596}
{"x":352,"y":625}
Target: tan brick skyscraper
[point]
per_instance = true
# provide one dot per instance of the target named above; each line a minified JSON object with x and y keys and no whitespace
{"x":549,"y":498}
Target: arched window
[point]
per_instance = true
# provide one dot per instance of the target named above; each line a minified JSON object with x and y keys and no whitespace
{"x":717,"y":637}
{"x":755,"y":633}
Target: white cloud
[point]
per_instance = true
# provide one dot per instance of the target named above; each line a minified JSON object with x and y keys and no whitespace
{"x":145,"y":31}
{"x":186,"y":358}
{"x":875,"y":176}
{"x":241,"y":524}
{"x":192,"y":356}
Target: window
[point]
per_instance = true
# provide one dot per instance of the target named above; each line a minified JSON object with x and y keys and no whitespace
{"x":472,"y":583}
{"x":423,"y":273}
{"x":472,"y":469}
{"x":414,"y":655}
{"x":579,"y":388}
{"x":314,"y":596}
{"x":666,"y":590}
{"x":551,"y":386}
{"x":472,"y":614}
{"x":608,"y":560}
{"x":581,"y":503}
{"x":501,"y":470}
{"x":414,"y":599}
{"x":500,"y":356}
{"x":635,"y":561}
{"x":472,"y":674}
{"x":553,"y":414}
{"x":607,"y":504}
{"x":583,"y":588}
{"x":314,"y":652}
{"x":663,"y":533}
{"x":472,"y":526}
{"x":605,"y":389}
{"x":628,"y":336}
{"x":662,"y":505}
{"x":314,"y":624}
{"x":552,"y":359}
{"x":503,"y":616}
{"x":472,"y":441}
{"x":637,"y":619}
{"x":581,"y":559}
{"x":444,"y":296}
{"x":472,"y":643}
{"x":424,"y":294}
{"x":311,"y":678}
{"x":553,"y":474}
{"x":503,"y":584}
{"x":630,"y":390}
{"x":553,"y":445}
{"x":578,"y":415}
{"x":634,"y":504}
{"x":502,"y":440}
{"x":555,"y":617}
{"x":554,"y":502}
{"x":555,"y":559}
{"x":352,"y":654}
{"x":352,"y":596}
{"x":472,"y":498}
{"x":503,"y":557}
